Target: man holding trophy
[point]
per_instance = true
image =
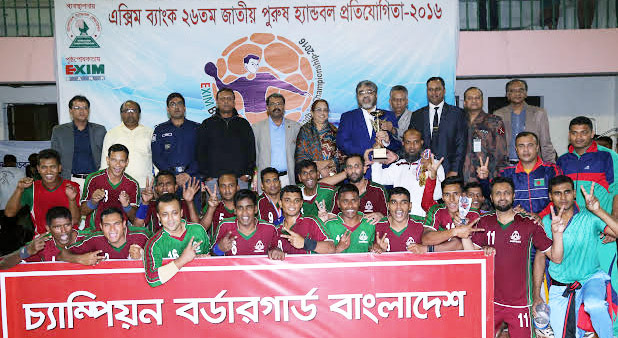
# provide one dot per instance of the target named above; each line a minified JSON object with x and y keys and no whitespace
{"x":367,"y":126}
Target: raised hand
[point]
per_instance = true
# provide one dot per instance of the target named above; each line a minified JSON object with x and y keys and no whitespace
{"x":374,"y":217}
{"x":182,"y":179}
{"x":226,"y":243}
{"x":381,"y":243}
{"x":71,"y":192}
{"x":24,"y":183}
{"x":482,"y":172}
{"x":433,"y":167}
{"x":37,"y":244}
{"x":387,"y":126}
{"x":190,"y":189}
{"x":136,"y":252}
{"x":98,"y":195}
{"x":124,"y":199}
{"x":322,"y":213}
{"x":213,"y":200}
{"x":276,"y":254}
{"x":465,"y":231}
{"x":295,"y":239}
{"x":190,"y":251}
{"x":344,"y":242}
{"x":557,"y":223}
{"x":592,"y":202}
{"x":382,"y":138}
{"x":147,"y":192}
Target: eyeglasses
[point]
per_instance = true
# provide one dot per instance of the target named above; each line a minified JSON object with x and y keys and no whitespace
{"x":130,"y":111}
{"x":177,"y":104}
{"x":276,"y":104}
{"x":366,"y":92}
{"x":79,"y":108}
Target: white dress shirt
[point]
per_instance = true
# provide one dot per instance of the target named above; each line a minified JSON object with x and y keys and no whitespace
{"x":432,"y":110}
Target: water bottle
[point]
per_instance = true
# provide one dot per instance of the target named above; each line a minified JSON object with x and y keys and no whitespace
{"x":541,"y":320}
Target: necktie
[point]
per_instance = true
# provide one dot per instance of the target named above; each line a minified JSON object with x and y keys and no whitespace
{"x":436,"y":123}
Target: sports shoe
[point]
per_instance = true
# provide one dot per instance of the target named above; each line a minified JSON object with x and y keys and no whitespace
{"x":545,"y":333}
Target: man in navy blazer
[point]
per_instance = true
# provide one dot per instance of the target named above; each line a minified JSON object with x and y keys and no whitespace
{"x":355,"y":134}
{"x":446,"y":137}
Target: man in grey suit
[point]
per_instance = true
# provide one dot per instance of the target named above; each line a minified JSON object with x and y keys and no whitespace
{"x":519,"y":116}
{"x":275,"y":140}
{"x":79,"y":143}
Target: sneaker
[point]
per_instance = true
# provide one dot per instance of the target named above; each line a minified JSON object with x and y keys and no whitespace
{"x":588,"y":334}
{"x":545,"y":333}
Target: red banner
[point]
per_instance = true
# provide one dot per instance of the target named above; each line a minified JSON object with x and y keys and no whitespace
{"x":347,"y":295}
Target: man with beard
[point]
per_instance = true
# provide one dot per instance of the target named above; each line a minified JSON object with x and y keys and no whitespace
{"x":444,"y":127}
{"x":115,"y":241}
{"x":269,"y":208}
{"x":399,"y":232}
{"x":225,"y":143}
{"x":318,"y":198}
{"x":409,"y":171}
{"x":41,"y":195}
{"x":351,"y":135}
{"x":216,"y":210}
{"x":60,"y":234}
{"x":174,"y":141}
{"x":351,"y":231}
{"x":110,"y":187}
{"x":179,"y":240}
{"x":372,"y":195}
{"x":301,"y":234}
{"x":165,"y":183}
{"x":275,"y":140}
{"x":512,"y":234}
{"x":245,"y":234}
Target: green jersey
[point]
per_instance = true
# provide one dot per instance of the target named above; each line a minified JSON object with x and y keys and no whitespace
{"x":324,"y":193}
{"x":163,"y":245}
{"x":362,"y":235}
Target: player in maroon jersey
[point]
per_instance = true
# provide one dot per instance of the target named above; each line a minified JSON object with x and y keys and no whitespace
{"x":114,"y":241}
{"x":216,"y":210}
{"x":165,"y":183}
{"x":110,"y":187}
{"x":269,"y":208}
{"x":399,"y":231}
{"x":512,"y":234}
{"x":60,"y":234}
{"x":372,"y":195}
{"x":301,"y":234}
{"x":43,"y":194}
{"x":245,"y":234}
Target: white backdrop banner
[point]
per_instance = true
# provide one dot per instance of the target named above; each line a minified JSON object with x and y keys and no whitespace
{"x":111,"y":51}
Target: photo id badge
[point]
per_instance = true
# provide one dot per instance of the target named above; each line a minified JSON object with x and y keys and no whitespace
{"x":476,"y":145}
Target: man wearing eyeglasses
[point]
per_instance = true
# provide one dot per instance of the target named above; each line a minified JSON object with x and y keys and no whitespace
{"x":519,"y":116}
{"x":79,"y":142}
{"x":173,"y":142}
{"x":136,"y":137}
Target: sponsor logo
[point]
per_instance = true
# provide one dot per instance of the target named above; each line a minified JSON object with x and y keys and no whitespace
{"x":84,"y":72}
{"x":410,"y":241}
{"x":368,"y":206}
{"x":515,"y":237}
{"x":363,"y":238}
{"x":83,"y":29}
{"x":259,"y":246}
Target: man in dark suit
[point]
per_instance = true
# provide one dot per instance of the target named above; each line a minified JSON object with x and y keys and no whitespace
{"x":444,"y":128}
{"x":79,"y":142}
{"x":355,"y":134}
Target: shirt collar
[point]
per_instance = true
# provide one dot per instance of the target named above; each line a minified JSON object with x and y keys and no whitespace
{"x":592,"y":149}
{"x":432,"y":106}
{"x":273,"y":125}
{"x":520,"y":168}
{"x":367,"y":112}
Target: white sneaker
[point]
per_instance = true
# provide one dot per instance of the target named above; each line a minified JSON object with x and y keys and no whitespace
{"x":588,"y":334}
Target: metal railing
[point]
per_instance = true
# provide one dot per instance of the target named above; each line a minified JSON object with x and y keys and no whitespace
{"x":36,"y":17}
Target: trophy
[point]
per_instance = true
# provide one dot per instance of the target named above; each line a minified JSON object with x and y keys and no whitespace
{"x":464,"y":208}
{"x":379,"y":152}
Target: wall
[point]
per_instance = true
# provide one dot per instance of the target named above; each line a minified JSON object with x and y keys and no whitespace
{"x":23,"y":94}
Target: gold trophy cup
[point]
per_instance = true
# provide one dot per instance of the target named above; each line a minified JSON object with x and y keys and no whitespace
{"x":379,"y":152}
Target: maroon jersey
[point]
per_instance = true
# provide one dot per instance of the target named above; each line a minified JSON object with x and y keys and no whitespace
{"x":97,"y":241}
{"x":512,"y":242}
{"x":100,"y":180}
{"x":307,"y":227}
{"x":269,"y":211}
{"x":51,"y":250}
{"x":373,"y":200}
{"x":221,"y":212}
{"x":259,"y":242}
{"x":152,"y":218}
{"x":399,"y":241}
{"x":438,"y":217}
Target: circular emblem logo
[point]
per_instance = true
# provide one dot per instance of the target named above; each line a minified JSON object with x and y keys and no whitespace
{"x":83,"y":24}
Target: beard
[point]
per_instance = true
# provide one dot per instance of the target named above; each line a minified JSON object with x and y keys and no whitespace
{"x":355,"y":179}
{"x":411,"y":157}
{"x":503,"y":208}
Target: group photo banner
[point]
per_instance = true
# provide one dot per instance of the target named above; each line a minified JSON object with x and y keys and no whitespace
{"x":142,"y":50}
{"x":441,"y":295}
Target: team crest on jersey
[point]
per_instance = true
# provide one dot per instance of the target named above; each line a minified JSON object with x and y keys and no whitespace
{"x":363,"y":238}
{"x":410,"y":241}
{"x":259,"y":246}
{"x":368,"y":206}
{"x":515,"y":237}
